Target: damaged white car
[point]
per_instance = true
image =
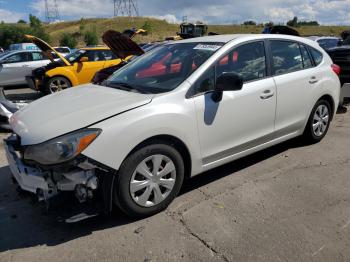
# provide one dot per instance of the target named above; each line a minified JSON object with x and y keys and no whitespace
{"x":175,"y":112}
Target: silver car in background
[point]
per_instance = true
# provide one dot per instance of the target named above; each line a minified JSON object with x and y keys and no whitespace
{"x":15,"y":65}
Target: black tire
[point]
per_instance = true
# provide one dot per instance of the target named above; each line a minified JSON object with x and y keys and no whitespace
{"x":122,"y":194}
{"x":310,"y":135}
{"x":56,"y":79}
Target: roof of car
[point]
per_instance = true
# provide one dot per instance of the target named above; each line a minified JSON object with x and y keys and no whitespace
{"x":247,"y":37}
{"x":95,"y":48}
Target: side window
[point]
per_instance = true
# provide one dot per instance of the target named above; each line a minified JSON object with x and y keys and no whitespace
{"x":306,"y":57}
{"x":109,"y":55}
{"x":17,"y":58}
{"x":317,"y":55}
{"x":97,"y":55}
{"x":206,"y":82}
{"x":36,"y":56}
{"x":286,"y":57}
{"x":248,"y":60}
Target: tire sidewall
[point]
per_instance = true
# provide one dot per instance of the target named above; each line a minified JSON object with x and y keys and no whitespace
{"x":122,"y":195}
{"x":310,"y":132}
{"x":50,"y":80}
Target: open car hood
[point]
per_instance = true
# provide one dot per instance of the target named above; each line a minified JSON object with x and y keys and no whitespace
{"x":47,"y":49}
{"x":121,"y":45}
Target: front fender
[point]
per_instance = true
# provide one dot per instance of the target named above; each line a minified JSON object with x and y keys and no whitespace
{"x":122,"y":133}
{"x":65,"y":71}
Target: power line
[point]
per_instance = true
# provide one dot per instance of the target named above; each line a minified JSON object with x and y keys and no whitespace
{"x":51,"y":11}
{"x":126,"y":8}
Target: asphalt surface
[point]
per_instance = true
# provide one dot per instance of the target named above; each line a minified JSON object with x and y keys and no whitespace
{"x":288,"y":203}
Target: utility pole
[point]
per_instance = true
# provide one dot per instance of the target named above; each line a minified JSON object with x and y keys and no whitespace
{"x":51,"y":11}
{"x":126,"y":8}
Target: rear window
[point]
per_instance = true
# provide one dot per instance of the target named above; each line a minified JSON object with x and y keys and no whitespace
{"x":317,"y":55}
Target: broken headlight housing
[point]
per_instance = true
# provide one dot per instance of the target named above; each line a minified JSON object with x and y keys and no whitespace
{"x":61,"y":149}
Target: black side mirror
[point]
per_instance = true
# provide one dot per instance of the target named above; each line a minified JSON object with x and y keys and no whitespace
{"x":227,"y":82}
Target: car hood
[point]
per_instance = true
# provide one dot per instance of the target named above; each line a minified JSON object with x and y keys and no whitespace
{"x":47,"y":49}
{"x":70,"y":110}
{"x":121,"y":45}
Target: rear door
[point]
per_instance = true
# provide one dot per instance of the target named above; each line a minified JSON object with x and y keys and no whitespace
{"x":14,"y":69}
{"x":295,"y":78}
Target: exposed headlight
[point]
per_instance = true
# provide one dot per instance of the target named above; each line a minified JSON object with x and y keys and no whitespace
{"x":61,"y":149}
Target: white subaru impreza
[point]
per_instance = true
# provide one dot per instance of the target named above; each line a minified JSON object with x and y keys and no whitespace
{"x":175,"y":112}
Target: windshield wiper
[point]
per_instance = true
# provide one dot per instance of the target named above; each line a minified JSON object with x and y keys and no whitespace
{"x":124,"y":86}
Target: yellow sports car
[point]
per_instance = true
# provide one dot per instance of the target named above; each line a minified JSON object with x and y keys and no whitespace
{"x":77,"y":68}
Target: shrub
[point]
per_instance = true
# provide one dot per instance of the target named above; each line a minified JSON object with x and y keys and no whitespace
{"x":69,"y":40}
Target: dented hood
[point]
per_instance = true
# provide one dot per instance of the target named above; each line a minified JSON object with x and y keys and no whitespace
{"x":121,"y":45}
{"x":70,"y":110}
{"x":47,"y":49}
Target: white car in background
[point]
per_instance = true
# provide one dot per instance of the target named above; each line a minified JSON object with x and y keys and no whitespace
{"x":327,"y":42}
{"x":16,"y":65}
{"x":173,"y":113}
{"x":63,"y":50}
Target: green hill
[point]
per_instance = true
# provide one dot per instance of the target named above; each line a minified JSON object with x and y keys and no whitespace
{"x":160,"y":29}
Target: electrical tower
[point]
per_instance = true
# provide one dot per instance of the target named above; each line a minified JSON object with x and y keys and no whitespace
{"x":126,"y":8}
{"x":51,"y":11}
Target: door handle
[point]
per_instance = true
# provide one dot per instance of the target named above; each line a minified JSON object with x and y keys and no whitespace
{"x":25,"y":65}
{"x":267,"y":94}
{"x":313,"y":80}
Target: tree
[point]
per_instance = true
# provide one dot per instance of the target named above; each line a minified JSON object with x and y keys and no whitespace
{"x":34,"y":22}
{"x":250,"y":22}
{"x":90,"y":37}
{"x":293,"y":22}
{"x":69,"y":40}
{"x":21,"y":21}
{"x":148,"y":27}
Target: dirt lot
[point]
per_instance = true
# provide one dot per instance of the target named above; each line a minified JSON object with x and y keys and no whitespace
{"x":287,"y":203}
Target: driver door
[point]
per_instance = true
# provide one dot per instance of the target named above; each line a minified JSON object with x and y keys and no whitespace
{"x":14,"y":69}
{"x":242,"y":119}
{"x":85,"y":71}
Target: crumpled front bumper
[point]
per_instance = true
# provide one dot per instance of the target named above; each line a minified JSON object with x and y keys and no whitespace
{"x":28,"y":178}
{"x":91,"y":184}
{"x":33,"y":83}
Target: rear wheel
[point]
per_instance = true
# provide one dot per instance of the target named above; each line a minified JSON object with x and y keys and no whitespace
{"x":56,"y":84}
{"x":319,"y":121}
{"x":148,"y":180}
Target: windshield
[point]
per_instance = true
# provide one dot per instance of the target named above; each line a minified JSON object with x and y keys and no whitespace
{"x":164,"y":68}
{"x":73,"y":57}
{"x":62,"y":49}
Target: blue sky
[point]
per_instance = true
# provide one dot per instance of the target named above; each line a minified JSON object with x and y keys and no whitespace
{"x":218,"y":11}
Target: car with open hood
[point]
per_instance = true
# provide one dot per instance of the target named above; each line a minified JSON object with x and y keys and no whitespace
{"x":179,"y":110}
{"x":74,"y":69}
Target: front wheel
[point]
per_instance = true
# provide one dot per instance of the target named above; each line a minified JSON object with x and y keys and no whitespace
{"x":148,"y":180}
{"x":319,"y":122}
{"x":56,"y":84}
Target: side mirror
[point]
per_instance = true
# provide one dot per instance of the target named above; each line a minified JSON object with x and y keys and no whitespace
{"x":84,"y":59}
{"x":227,"y":82}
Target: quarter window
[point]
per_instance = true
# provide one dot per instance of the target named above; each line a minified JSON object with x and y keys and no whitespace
{"x":317,"y":55}
{"x":286,"y":57}
{"x":306,"y":57}
{"x":248,"y":60}
{"x":206,"y":82}
{"x":37,"y":56}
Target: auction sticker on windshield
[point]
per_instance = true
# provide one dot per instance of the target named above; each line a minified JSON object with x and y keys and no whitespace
{"x":207,"y":47}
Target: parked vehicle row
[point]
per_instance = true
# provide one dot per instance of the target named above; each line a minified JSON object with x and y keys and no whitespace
{"x":178,"y":110}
